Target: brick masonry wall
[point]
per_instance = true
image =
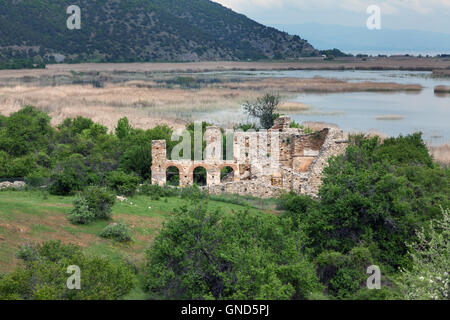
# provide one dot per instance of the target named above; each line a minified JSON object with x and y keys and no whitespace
{"x":301,"y":160}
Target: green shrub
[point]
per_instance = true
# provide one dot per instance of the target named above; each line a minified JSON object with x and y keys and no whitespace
{"x":122,"y":183}
{"x":123,"y":129}
{"x":156,"y":192}
{"x":100,"y":201}
{"x":265,"y":109}
{"x":296,"y":125}
{"x":192,"y":192}
{"x":209,"y":255}
{"x":117,"y":231}
{"x":246,"y":127}
{"x":22,"y":166}
{"x":38,"y":178}
{"x":27,"y":130}
{"x":428,"y":277}
{"x":375,"y":195}
{"x":295,"y":206}
{"x":344,"y":274}
{"x":385,"y":293}
{"x":81,"y":214}
{"x":43,"y":276}
{"x":69,"y":176}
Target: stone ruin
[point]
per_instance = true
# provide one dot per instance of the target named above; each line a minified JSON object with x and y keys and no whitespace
{"x":12,"y":185}
{"x":264,"y":164}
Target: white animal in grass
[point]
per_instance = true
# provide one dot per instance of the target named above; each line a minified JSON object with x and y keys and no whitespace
{"x":121,"y":199}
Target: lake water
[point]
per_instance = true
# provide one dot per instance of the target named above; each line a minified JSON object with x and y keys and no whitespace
{"x":421,"y":111}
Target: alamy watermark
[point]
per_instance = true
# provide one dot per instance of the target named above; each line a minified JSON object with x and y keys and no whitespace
{"x":74,"y":20}
{"x":374,"y":281}
{"x":374,"y":20}
{"x":251,"y":146}
{"x":74,"y":281}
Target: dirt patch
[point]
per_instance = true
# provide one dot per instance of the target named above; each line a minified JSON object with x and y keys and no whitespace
{"x":14,"y":227}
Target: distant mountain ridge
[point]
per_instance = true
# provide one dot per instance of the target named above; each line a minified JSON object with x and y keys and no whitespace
{"x":140,"y":30}
{"x":361,"y":39}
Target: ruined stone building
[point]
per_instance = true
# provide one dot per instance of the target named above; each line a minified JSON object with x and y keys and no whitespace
{"x":263,"y":164}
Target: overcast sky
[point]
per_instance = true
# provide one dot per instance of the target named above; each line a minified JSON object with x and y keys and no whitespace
{"x":432,"y":15}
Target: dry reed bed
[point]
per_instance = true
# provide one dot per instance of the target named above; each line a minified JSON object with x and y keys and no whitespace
{"x":441,"y":154}
{"x":145,"y":107}
{"x":398,"y":63}
{"x":292,"y":106}
{"x":390,"y":117}
{"x":441,"y":72}
{"x":442,"y":89}
{"x":317,"y":85}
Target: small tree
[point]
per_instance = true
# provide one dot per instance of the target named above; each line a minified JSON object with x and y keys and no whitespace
{"x":117,"y":231}
{"x":123,"y":128}
{"x":265,"y":109}
{"x":203,"y":254}
{"x":81,"y":214}
{"x":43,"y":275}
{"x":428,"y":278}
{"x":100,"y":201}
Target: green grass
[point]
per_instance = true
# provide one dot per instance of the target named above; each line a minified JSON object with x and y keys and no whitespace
{"x":34,"y":216}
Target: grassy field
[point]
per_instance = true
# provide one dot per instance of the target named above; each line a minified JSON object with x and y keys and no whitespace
{"x":33,"y":216}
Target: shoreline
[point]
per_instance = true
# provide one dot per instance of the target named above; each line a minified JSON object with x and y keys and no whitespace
{"x":441,"y":66}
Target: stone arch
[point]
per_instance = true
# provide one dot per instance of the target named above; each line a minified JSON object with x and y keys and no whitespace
{"x":232,"y":165}
{"x":228,"y":173}
{"x":199,"y":174}
{"x":173,"y":175}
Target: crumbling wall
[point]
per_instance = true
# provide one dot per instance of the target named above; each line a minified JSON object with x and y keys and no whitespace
{"x":265,"y":163}
{"x":334,"y":145}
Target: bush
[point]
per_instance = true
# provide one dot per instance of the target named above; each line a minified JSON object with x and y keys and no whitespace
{"x":123,"y":129}
{"x":295,"y":206}
{"x":122,"y":183}
{"x":296,"y":125}
{"x":192,"y":192}
{"x":374,"y":195}
{"x":27,"y":130}
{"x":100,"y":201}
{"x":44,"y":275}
{"x":246,"y":127}
{"x":264,"y":109}
{"x":344,"y":274}
{"x":81,"y":214}
{"x":156,"y":192}
{"x":69,"y":176}
{"x":428,"y":277}
{"x":117,"y":231}
{"x":209,"y":255}
{"x":38,"y":178}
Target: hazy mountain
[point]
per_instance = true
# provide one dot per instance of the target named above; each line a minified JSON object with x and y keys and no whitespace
{"x":360,"y":39}
{"x":140,"y":30}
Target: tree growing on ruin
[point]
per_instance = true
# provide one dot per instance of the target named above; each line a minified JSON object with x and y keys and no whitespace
{"x":265,"y":109}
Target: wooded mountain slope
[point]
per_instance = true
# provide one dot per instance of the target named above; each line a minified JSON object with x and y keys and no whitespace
{"x":140,"y":30}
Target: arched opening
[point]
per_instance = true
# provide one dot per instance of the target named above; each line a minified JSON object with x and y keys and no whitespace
{"x":200,"y":176}
{"x":173,"y":176}
{"x":226,"y":174}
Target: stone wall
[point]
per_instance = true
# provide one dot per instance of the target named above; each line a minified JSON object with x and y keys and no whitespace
{"x":264,"y":163}
{"x":12,"y":185}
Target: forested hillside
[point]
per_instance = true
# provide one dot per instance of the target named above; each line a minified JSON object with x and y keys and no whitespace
{"x":139,"y":30}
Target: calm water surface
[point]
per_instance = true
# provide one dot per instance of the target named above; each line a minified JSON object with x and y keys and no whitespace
{"x":421,"y":111}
